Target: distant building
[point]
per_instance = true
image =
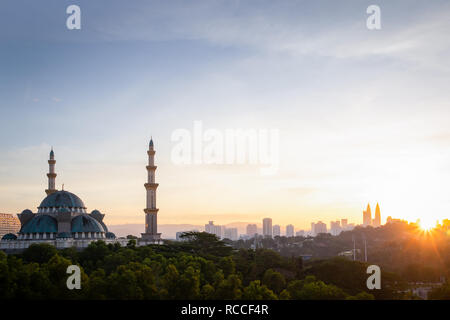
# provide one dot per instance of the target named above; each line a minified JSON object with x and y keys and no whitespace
{"x":313,"y":227}
{"x":231,"y":233}
{"x":344,"y":223}
{"x":252,"y":229}
{"x":289,"y":230}
{"x":276,"y":230}
{"x":367,"y":217}
{"x":377,"y":220}
{"x":335,"y":228}
{"x":350,"y":227}
{"x":8,"y":224}
{"x":213,"y":229}
{"x":300,"y":233}
{"x":179,"y":233}
{"x":319,"y":227}
{"x":267,"y":227}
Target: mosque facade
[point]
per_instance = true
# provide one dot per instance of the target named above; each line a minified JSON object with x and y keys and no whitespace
{"x":63,"y":220}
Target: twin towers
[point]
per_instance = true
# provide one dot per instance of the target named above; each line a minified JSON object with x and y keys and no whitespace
{"x":367,"y":217}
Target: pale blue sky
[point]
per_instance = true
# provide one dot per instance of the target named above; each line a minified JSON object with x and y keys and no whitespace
{"x":363,"y":115}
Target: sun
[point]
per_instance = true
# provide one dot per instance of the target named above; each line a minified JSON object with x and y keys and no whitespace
{"x":427,"y":224}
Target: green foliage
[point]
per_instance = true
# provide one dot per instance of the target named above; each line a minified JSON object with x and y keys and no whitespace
{"x":256,"y":291}
{"x":200,"y":268}
{"x":440,"y":293}
{"x":39,"y":253}
{"x":274,"y":280}
{"x":312,"y":289}
{"x":361,"y":296}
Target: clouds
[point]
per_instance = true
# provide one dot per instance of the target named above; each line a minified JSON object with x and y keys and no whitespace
{"x":359,"y":112}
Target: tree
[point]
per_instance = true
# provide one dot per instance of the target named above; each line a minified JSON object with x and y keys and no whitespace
{"x":229,"y":289}
{"x":361,"y":296}
{"x":312,"y":289}
{"x":256,"y":291}
{"x":440,"y":293}
{"x":274,"y":281}
{"x":206,"y":244}
{"x":39,"y":252}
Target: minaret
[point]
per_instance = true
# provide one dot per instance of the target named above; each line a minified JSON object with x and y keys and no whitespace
{"x":151,"y":212}
{"x":51,"y":174}
{"x":377,"y":220}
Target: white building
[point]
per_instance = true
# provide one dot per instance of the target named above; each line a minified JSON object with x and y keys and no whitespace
{"x":300,"y":233}
{"x":267,"y":227}
{"x":289,"y":230}
{"x":213,"y":229}
{"x":276,"y":230}
{"x":231,"y":233}
{"x":252,"y":229}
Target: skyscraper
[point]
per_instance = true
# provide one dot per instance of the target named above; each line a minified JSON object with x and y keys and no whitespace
{"x":320,"y":227}
{"x":276,"y":230}
{"x":230,"y":233}
{"x":213,"y":229}
{"x":367,"y":217}
{"x":335,"y":228}
{"x":377,"y":220}
{"x":344,"y":223}
{"x":252,"y":229}
{"x":289,"y":230}
{"x":267,"y":227}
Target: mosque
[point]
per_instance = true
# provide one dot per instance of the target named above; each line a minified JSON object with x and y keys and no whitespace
{"x":62,"y":218}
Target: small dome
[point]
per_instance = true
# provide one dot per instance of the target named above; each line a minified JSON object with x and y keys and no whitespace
{"x":9,"y":236}
{"x":61,"y":199}
{"x":27,"y":211}
{"x":96,"y":212}
{"x":85,"y":223}
{"x":110,"y":235}
{"x":40,"y":224}
{"x":64,"y":235}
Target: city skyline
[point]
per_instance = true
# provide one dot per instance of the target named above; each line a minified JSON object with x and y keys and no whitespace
{"x":361,"y":115}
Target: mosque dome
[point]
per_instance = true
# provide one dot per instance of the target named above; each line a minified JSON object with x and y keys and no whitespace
{"x":9,"y":236}
{"x":110,"y":235}
{"x":62,"y":199}
{"x":40,"y":224}
{"x":85,"y":223}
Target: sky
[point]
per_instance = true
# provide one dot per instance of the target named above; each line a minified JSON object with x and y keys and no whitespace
{"x":362,"y":115}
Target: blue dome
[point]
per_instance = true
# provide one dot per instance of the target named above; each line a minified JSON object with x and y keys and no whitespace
{"x":61,"y":199}
{"x":27,"y":211}
{"x":110,"y":235}
{"x":64,"y":235}
{"x":9,"y":236}
{"x":85,"y":223}
{"x":40,"y":223}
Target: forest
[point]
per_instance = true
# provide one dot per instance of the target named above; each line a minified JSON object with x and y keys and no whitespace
{"x":201,"y":267}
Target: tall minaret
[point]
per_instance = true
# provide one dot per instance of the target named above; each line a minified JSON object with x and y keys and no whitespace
{"x":51,"y":174}
{"x":151,"y":212}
